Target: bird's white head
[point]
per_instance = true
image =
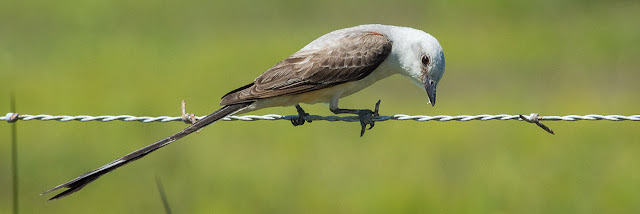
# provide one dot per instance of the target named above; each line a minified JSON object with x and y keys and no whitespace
{"x":420,"y":58}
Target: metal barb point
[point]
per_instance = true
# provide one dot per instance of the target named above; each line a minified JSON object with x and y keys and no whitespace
{"x":188,"y":118}
{"x":535,"y":118}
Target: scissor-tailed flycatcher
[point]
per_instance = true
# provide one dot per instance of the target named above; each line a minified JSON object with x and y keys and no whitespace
{"x":333,"y":66}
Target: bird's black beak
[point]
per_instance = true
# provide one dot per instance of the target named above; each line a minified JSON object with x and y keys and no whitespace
{"x":430,"y":86}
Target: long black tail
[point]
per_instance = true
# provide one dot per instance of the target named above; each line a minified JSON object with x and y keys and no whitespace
{"x":86,"y":178}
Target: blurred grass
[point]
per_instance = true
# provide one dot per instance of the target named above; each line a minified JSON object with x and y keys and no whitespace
{"x":142,"y":57}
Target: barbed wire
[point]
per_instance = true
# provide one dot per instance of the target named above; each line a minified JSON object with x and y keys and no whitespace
{"x":421,"y":118}
{"x":532,"y":118}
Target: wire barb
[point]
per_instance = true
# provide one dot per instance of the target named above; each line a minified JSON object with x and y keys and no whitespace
{"x":188,"y":118}
{"x":535,"y":118}
{"x":11,"y":117}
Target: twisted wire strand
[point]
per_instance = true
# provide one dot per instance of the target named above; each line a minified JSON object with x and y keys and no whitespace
{"x":11,"y":117}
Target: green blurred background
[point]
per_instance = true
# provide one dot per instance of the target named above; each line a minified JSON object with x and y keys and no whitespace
{"x":100,"y":57}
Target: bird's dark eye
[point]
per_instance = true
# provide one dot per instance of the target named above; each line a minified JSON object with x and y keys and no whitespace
{"x":425,"y":60}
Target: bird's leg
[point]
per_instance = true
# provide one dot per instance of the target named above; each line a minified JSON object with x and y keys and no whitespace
{"x":299,"y":120}
{"x":366,"y":116}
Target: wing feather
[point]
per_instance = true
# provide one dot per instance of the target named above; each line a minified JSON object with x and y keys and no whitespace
{"x":349,"y":58}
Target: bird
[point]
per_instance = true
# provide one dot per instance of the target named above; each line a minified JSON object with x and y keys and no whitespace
{"x":333,"y":66}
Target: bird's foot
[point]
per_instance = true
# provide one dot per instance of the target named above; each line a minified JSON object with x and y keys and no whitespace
{"x":299,"y":120}
{"x":367,"y":117}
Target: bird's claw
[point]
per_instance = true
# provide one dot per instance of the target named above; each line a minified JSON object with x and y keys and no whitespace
{"x":299,"y":120}
{"x":368,"y":117}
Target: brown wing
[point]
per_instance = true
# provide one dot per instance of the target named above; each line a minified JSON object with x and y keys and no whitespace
{"x":349,"y":58}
